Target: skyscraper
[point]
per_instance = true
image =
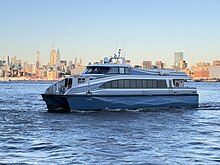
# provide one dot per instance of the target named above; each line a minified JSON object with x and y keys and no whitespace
{"x":53,"y":57}
{"x":58,"y":58}
{"x":75,"y":62}
{"x":80,"y":62}
{"x":8,"y":63}
{"x":178,"y":56}
{"x":38,"y":60}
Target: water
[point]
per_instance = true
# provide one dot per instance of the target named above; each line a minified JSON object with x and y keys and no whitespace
{"x":30,"y":135}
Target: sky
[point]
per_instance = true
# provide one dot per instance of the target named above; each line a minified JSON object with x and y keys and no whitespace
{"x":92,"y":29}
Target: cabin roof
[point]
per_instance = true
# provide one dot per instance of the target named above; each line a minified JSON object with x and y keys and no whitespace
{"x":109,"y":65}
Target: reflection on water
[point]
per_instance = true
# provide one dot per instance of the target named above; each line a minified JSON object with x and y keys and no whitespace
{"x":176,"y":136}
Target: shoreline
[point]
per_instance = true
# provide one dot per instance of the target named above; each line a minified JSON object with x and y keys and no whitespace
{"x":9,"y":79}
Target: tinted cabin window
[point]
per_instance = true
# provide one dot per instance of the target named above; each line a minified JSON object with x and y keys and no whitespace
{"x":127,"y":83}
{"x":149,"y":84}
{"x":161,"y":84}
{"x":139,"y":83}
{"x":119,"y":70}
{"x":135,"y":84}
{"x":121,"y":83}
{"x":70,"y":82}
{"x":127,"y":71}
{"x":122,"y":70}
{"x":97,"y":70}
{"x":114,"y":84}
{"x":66,"y":82}
{"x":107,"y":85}
{"x":145,"y":83}
{"x":79,"y":80}
{"x":114,"y":70}
{"x":154,"y":83}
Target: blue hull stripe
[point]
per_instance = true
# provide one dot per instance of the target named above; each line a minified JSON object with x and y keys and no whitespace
{"x":128,"y":102}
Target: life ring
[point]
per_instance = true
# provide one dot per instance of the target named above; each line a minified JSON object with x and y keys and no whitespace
{"x":177,"y":84}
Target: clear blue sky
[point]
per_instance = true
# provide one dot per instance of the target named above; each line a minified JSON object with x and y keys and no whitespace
{"x":152,"y":29}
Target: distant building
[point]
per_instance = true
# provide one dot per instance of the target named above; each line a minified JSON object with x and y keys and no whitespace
{"x":80,"y":62}
{"x":38,"y":60}
{"x":8,"y":61}
{"x":77,"y":71}
{"x":58,"y":58}
{"x":52,"y":75}
{"x":137,"y":66}
{"x":183,"y":64}
{"x":203,"y":64}
{"x":128,"y":62}
{"x":216,"y":63}
{"x":160,"y":64}
{"x":70,"y":64}
{"x":200,"y":66}
{"x":2,"y":63}
{"x":147,"y":64}
{"x":178,"y":56}
{"x":53,"y":57}
{"x":16,"y":63}
{"x":214,"y":72}
{"x":75,"y":62}
{"x":201,"y":74}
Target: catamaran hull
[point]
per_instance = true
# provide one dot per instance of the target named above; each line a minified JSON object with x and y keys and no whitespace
{"x":56,"y":103}
{"x":119,"y":102}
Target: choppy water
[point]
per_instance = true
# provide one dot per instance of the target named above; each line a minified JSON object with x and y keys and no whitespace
{"x":30,"y":135}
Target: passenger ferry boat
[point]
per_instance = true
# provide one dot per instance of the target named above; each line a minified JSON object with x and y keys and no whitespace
{"x":115,"y":85}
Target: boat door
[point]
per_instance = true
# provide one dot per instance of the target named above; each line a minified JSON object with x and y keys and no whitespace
{"x":68,"y":83}
{"x":171,"y":87}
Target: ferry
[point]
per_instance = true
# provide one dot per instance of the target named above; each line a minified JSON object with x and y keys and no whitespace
{"x":115,"y":85}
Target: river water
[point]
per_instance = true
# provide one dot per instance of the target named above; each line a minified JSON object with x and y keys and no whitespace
{"x":31,"y":135}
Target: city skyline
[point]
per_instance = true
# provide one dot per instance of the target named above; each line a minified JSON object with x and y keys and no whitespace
{"x":148,"y":30}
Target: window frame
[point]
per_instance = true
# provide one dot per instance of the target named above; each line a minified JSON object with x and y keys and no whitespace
{"x":135,"y":84}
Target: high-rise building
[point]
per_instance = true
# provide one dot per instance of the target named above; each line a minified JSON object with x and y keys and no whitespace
{"x":75,"y":62}
{"x":53,"y":57}
{"x":178,"y":56}
{"x":38,"y":60}
{"x":8,"y":61}
{"x":16,"y":63}
{"x":70,"y":64}
{"x":13,"y":60}
{"x":58,"y":58}
{"x":80,"y":62}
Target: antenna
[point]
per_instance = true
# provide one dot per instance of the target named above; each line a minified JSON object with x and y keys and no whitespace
{"x":116,"y":46}
{"x":125,"y":53}
{"x":123,"y":47}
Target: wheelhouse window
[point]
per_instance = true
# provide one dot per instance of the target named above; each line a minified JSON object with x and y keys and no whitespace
{"x":119,"y":70}
{"x":133,"y":84}
{"x":97,"y":70}
{"x":114,"y":70}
